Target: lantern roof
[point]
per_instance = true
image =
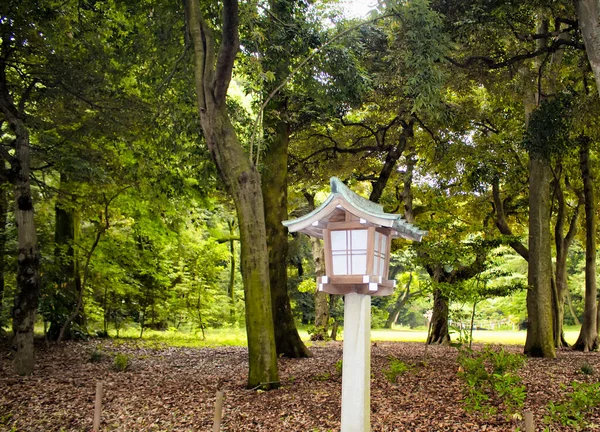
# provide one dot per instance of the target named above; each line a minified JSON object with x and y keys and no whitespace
{"x":342,"y":200}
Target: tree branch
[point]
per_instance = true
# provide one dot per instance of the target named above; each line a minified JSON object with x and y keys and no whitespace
{"x":492,"y":64}
{"x":502,"y":225}
{"x":230,"y":44}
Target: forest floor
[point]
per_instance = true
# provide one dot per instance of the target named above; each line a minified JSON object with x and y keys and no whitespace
{"x":173,"y":389}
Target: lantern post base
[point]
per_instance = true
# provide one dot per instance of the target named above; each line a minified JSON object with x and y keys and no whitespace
{"x":356,"y":372}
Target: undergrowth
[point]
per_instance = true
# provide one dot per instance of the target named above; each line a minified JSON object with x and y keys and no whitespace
{"x":573,"y":409}
{"x":395,"y":369}
{"x":491,"y":378}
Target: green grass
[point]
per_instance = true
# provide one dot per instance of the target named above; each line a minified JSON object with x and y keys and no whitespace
{"x":494,"y":337}
{"x":237,"y":336}
{"x":213,"y":337}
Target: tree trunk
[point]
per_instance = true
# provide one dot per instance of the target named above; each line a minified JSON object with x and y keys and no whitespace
{"x":400,"y":302}
{"x":274,"y":189}
{"x":572,"y":311}
{"x":28,"y":262}
{"x":540,"y":335}
{"x":212,"y":77}
{"x":588,"y":14}
{"x":231,"y":287}
{"x":588,"y":335}
{"x":28,"y":276}
{"x":67,"y":283}
{"x":563,"y":243}
{"x":439,"y":333}
{"x":321,"y":297}
{"x":3,"y":217}
{"x":322,"y":308}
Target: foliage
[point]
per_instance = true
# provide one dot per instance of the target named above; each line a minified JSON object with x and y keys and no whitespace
{"x":121,"y":362}
{"x":572,"y":411}
{"x":490,"y":375}
{"x":587,"y":369}
{"x":549,"y":127}
{"x":96,"y":356}
{"x":396,"y":368}
{"x":422,"y":44}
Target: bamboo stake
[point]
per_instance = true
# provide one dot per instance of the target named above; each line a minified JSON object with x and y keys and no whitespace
{"x":218,"y":412}
{"x":98,"y":407}
{"x":529,"y":426}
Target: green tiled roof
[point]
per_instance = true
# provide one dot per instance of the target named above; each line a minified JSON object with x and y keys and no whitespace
{"x":360,"y":207}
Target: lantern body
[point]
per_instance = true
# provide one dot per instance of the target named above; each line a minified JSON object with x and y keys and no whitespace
{"x":356,"y":257}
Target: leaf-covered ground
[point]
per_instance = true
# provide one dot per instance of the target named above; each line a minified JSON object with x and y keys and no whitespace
{"x":173,"y":389}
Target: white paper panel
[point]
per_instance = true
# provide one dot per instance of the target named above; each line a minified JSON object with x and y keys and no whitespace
{"x":338,"y":240}
{"x":359,"y":240}
{"x":340,"y":266}
{"x":359,"y":264}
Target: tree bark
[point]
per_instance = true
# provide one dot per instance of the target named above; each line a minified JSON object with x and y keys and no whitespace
{"x":588,"y":335}
{"x":562,"y":243}
{"x":321,"y":297}
{"x":274,"y":189}
{"x":588,"y":14}
{"x":540,"y":335}
{"x":212,"y":77}
{"x":439,"y":333}
{"x":3,"y":216}
{"x":400,"y":302}
{"x":231,"y":287}
{"x":67,"y":283}
{"x":28,"y":262}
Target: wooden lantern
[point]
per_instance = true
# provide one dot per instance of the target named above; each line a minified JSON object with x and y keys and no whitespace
{"x":357,"y":234}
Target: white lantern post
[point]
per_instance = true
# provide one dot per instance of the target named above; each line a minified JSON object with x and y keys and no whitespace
{"x":357,"y":235}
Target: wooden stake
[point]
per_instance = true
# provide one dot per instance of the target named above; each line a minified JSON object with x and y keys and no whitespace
{"x":529,"y":426}
{"x":218,"y":412}
{"x":98,"y":407}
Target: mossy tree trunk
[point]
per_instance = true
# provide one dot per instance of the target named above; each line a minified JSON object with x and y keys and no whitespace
{"x":540,"y":328}
{"x":275,"y":176}
{"x":212,"y":77}
{"x":321,"y":297}
{"x":588,"y":335}
{"x":274,"y":189}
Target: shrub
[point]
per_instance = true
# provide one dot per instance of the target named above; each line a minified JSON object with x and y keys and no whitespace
{"x":396,"y":368}
{"x":491,"y":376}
{"x":318,"y":333}
{"x":571,"y":412}
{"x":587,"y":369}
{"x":121,"y":362}
{"x":96,"y":356}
